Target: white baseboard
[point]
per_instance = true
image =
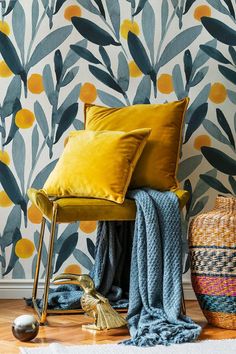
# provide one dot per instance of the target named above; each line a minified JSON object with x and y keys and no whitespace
{"x":20,"y":288}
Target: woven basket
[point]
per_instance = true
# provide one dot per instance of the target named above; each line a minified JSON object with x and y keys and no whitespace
{"x":212,"y":241}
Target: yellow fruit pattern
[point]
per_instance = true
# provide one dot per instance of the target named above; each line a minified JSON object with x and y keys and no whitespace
{"x":4,"y":157}
{"x":218,"y":93}
{"x":5,"y":201}
{"x":165,"y":84}
{"x":24,"y":118}
{"x":202,"y":140}
{"x":88,"y":226}
{"x":73,"y":268}
{"x":134,"y":69}
{"x":34,"y":214}
{"x":72,"y":11}
{"x":202,"y":10}
{"x":24,"y":248}
{"x":5,"y":28}
{"x":129,"y":26}
{"x":35,"y":84}
{"x":4,"y":70}
{"x":88,"y":93}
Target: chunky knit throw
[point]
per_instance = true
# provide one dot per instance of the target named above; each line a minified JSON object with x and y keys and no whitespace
{"x":139,"y":266}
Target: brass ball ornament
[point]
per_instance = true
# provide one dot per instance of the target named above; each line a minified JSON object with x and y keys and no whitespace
{"x":25,"y":328}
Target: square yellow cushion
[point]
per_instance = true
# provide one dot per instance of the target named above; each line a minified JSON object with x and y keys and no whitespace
{"x":158,"y":164}
{"x":97,"y":164}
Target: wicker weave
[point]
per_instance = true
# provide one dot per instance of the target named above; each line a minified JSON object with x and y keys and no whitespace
{"x":212,"y":241}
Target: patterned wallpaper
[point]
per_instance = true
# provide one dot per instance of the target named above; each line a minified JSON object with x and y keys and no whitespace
{"x":57,"y":54}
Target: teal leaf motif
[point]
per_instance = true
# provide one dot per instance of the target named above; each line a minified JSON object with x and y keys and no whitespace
{"x":109,"y":100}
{"x":217,"y":4}
{"x":164,"y":16}
{"x":199,"y":206}
{"x":66,"y":120}
{"x":92,"y":32}
{"x":35,"y":16}
{"x":70,"y":99}
{"x":188,"y":5}
{"x":230,"y":7}
{"x":51,"y":42}
{"x":83,"y":259}
{"x":69,"y":230}
{"x":91,"y":247}
{"x":178,"y":44}
{"x":232,"y":96}
{"x":215,"y":183}
{"x":42,"y":176}
{"x":11,"y":187}
{"x":232,"y":182}
{"x":13,"y":128}
{"x":140,"y":7}
{"x":178,"y":82}
{"x":219,"y":30}
{"x":44,"y":249}
{"x":58,"y":65}
{"x":67,"y":248}
{"x":71,"y":57}
{"x":199,"y":76}
{"x":18,"y":155}
{"x":87,"y":4}
{"x":214,"y":131}
{"x":187,"y":166}
{"x":232,"y":52}
{"x":18,"y":25}
{"x":219,"y":160}
{"x":139,"y":54}
{"x":202,"y":187}
{"x":18,"y":271}
{"x":106,"y":59}
{"x":196,"y":120}
{"x":143,"y":91}
{"x":228,"y":73}
{"x":13,"y":258}
{"x":113,"y":7}
{"x":85,"y":54}
{"x":34,"y":144}
{"x":201,"y":98}
{"x":13,"y":93}
{"x":214,"y":53}
{"x":78,"y":125}
{"x":148,"y":26}
{"x":58,"y":6}
{"x":49,"y":84}
{"x":11,"y":6}
{"x":101,"y":8}
{"x":70,"y":76}
{"x":188,"y":64}
{"x":13,"y":222}
{"x":105,"y":78}
{"x":225,"y":126}
{"x":201,"y":57}
{"x":123,"y":72}
{"x":41,"y":119}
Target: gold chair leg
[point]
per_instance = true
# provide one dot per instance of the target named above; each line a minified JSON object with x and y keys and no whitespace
{"x":49,"y":265}
{"x":183,"y":307}
{"x":40,"y":246}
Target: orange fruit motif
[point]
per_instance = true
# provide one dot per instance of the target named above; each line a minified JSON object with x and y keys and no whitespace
{"x":73,"y":268}
{"x":129,"y":26}
{"x":88,"y":226}
{"x":5,"y":28}
{"x":24,"y":118}
{"x":218,"y":93}
{"x":5,"y":201}
{"x":88,"y":93}
{"x":5,"y":71}
{"x":24,"y":248}
{"x":202,"y":140}
{"x":72,"y":11}
{"x":165,"y":84}
{"x":34,"y":214}
{"x":35,"y":84}
{"x":134,"y":69}
{"x":4,"y":157}
{"x":202,"y":10}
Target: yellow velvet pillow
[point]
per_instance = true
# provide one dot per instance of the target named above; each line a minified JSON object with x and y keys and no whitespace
{"x":158,"y":164}
{"x":97,"y":164}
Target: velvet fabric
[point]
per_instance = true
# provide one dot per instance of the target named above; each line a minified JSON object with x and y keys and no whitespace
{"x":78,"y":209}
{"x":97,"y":164}
{"x":158,"y":164}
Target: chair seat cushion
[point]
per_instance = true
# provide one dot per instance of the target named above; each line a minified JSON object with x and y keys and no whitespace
{"x":83,"y":209}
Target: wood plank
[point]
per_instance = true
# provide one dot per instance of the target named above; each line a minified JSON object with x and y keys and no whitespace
{"x":66,"y":329}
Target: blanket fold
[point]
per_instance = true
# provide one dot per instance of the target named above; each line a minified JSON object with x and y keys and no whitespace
{"x":139,"y":266}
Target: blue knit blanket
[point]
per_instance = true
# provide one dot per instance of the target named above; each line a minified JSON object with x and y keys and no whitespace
{"x":140,"y":266}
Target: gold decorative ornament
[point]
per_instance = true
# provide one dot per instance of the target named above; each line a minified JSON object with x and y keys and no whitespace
{"x":94,"y":304}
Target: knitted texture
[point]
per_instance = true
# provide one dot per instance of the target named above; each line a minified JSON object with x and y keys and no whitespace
{"x":156,"y":273}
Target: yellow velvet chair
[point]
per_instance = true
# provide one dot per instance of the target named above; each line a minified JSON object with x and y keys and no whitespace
{"x":69,"y":210}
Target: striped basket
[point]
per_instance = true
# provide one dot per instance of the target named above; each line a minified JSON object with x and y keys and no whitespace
{"x":212,"y":241}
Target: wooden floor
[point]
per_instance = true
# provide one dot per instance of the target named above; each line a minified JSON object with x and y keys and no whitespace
{"x":67,"y":329}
